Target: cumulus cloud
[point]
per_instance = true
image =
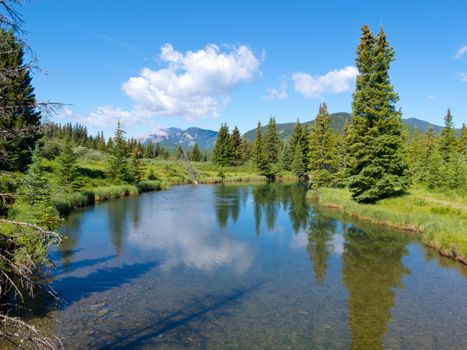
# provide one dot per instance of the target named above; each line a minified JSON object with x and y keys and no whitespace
{"x":460,"y":52}
{"x":105,"y":116}
{"x":195,"y":84}
{"x":277,"y":94}
{"x":335,"y":81}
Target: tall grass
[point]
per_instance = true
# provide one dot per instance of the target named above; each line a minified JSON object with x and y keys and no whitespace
{"x":114,"y":191}
{"x":439,"y":225}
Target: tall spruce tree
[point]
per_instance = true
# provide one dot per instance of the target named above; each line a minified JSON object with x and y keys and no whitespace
{"x":118,"y":162}
{"x":196,"y":155}
{"x":67,"y":164}
{"x":322,"y":155}
{"x":298,"y":167}
{"x":377,"y":165}
{"x":272,"y":142}
{"x":463,"y":140}
{"x":259,"y":153}
{"x":236,"y":144}
{"x":448,"y":140}
{"x":222,"y":153}
{"x":19,"y":118}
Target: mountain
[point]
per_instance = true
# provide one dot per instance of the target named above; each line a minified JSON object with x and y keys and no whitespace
{"x":172,"y":137}
{"x":337,"y":124}
{"x":286,"y":129}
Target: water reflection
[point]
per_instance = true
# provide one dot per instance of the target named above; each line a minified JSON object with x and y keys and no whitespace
{"x":188,"y":236}
{"x":372,"y":269}
{"x":229,"y":267}
{"x":320,"y":243}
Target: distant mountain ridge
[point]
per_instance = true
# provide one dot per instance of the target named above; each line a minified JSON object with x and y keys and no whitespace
{"x":172,"y":137}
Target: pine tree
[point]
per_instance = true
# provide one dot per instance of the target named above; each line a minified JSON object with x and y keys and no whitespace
{"x":149,"y":151}
{"x":134,"y":170}
{"x":118,"y":163}
{"x":259,"y":154}
{"x":222,"y":153}
{"x":377,"y":165}
{"x":272,"y":142}
{"x":298,"y":167}
{"x":67,"y":164}
{"x":448,"y":140}
{"x":322,"y":154}
{"x":245,"y":151}
{"x":236,"y":144}
{"x":19,"y":118}
{"x":179,"y":153}
{"x":196,"y":155}
{"x":463,"y":140}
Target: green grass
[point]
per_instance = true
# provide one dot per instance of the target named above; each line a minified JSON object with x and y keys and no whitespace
{"x":441,"y":225}
{"x":114,"y":191}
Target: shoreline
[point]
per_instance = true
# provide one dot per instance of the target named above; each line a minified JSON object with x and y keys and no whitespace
{"x":444,"y":241}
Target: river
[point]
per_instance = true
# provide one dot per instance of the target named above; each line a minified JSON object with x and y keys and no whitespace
{"x":247,"y":267}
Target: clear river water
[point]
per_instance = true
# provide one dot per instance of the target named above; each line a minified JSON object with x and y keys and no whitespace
{"x":247,"y":267}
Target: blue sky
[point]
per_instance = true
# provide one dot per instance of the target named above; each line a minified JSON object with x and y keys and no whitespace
{"x":199,"y":63}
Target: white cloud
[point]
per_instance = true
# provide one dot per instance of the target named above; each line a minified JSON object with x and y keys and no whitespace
{"x":335,"y":81}
{"x":431,"y":97}
{"x":105,"y":116}
{"x":195,"y":84}
{"x":460,"y":52}
{"x":462,"y":76}
{"x":277,"y":94}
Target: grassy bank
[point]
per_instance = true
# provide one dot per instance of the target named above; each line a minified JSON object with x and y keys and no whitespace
{"x":441,"y":224}
{"x":65,"y":202}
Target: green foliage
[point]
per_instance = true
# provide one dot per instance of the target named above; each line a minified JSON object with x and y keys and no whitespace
{"x":223,"y":152}
{"x":448,"y":141}
{"x":272,"y":143}
{"x":322,"y":151}
{"x":67,"y":165}
{"x":236,"y":144}
{"x":463,"y":140}
{"x":259,"y":153}
{"x":118,"y":163}
{"x":376,"y":163}
{"x":196,"y":155}
{"x":19,"y":119}
{"x":298,"y":167}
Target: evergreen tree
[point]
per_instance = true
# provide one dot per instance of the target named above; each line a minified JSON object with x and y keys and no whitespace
{"x":149,"y":151}
{"x":67,"y":164}
{"x":272,"y":142}
{"x":298,"y":167}
{"x":322,"y":154}
{"x":118,"y":163}
{"x":222,"y":153}
{"x":297,"y":136}
{"x":377,"y":165}
{"x":463,"y":140}
{"x":448,"y":141}
{"x":179,"y":153}
{"x":245,"y":151}
{"x":196,"y":155}
{"x":236,"y":144}
{"x":19,"y":118}
{"x":259,"y":153}
{"x":134,"y":169}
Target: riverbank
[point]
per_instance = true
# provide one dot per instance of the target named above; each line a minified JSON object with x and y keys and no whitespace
{"x":94,"y":186}
{"x":440,"y":223}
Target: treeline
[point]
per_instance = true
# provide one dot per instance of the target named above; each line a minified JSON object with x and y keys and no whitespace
{"x":79,"y":136}
{"x":374,"y":156}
